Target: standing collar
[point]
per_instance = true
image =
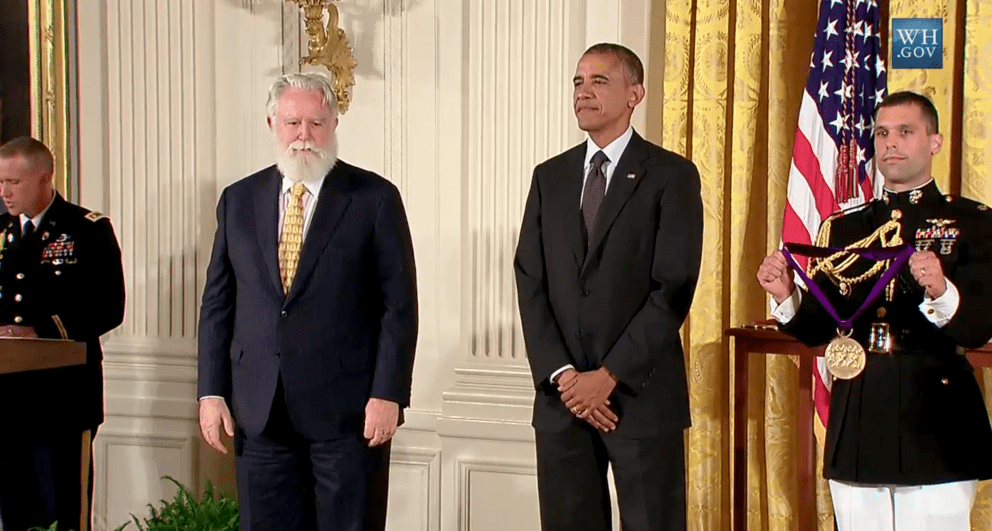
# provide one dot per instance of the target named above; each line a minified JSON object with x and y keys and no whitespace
{"x":925,"y":193}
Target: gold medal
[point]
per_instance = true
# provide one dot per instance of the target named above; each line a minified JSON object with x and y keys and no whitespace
{"x":845,"y":357}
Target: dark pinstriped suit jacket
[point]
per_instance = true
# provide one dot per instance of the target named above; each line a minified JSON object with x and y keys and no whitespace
{"x":346,"y":331}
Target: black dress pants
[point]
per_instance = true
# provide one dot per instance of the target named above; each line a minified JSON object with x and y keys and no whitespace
{"x":288,"y":483}
{"x":649,"y":474}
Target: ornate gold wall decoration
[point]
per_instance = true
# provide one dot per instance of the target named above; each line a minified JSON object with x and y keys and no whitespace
{"x":329,"y":47}
{"x":50,"y":83}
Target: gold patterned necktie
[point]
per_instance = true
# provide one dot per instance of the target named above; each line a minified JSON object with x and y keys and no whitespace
{"x":291,"y":240}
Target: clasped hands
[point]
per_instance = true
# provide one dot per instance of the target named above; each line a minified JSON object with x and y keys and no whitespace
{"x":586,"y":395}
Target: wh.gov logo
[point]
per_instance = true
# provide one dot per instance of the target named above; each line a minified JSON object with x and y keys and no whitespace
{"x":917,"y":43}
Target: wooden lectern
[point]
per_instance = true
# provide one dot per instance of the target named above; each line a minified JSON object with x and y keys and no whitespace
{"x":22,"y":354}
{"x":31,"y":354}
{"x":761,"y":339}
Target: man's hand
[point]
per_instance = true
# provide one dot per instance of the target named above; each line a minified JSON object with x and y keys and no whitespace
{"x":587,"y":391}
{"x":775,"y":277}
{"x":213,"y":415}
{"x":381,"y":417}
{"x":926,"y":269}
{"x":17,"y":331}
{"x":566,"y":376}
{"x":602,"y":417}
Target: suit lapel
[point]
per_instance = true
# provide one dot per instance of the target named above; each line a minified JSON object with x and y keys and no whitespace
{"x":267,"y":213}
{"x":571,"y":208}
{"x":331,"y":205}
{"x":626,"y":176}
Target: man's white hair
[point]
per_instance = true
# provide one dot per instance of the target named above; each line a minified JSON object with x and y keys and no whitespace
{"x":317,"y":81}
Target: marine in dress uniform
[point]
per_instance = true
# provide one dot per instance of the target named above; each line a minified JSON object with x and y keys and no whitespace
{"x":64,"y":278}
{"x":915,"y":416}
{"x":909,"y":435}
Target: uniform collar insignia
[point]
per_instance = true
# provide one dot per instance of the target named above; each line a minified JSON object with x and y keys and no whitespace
{"x":928,"y":193}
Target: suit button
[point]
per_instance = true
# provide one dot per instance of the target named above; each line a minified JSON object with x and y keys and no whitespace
{"x":284,"y":313}
{"x":584,"y":293}
{"x":578,"y":335}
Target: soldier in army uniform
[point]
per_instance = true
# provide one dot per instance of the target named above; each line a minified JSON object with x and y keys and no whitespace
{"x":909,"y":436}
{"x":60,"y":277}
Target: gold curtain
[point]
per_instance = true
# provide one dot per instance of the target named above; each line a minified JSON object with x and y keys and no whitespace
{"x":734,"y":72}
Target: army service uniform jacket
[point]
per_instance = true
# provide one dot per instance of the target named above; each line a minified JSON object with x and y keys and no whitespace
{"x":66,"y":280}
{"x":915,"y":416}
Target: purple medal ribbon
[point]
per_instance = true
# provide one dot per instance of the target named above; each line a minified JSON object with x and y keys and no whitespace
{"x":899,"y":256}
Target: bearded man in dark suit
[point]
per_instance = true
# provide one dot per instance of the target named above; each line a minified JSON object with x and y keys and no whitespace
{"x":308,"y":325}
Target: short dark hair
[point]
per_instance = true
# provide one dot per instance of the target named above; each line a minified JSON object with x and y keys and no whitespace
{"x":629,"y":61}
{"x":34,"y":151}
{"x":912,"y":98}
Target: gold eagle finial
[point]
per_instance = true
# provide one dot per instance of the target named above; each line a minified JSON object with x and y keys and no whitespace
{"x":328,"y":46}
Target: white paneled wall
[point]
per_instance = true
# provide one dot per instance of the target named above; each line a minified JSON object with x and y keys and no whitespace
{"x":455,"y":102}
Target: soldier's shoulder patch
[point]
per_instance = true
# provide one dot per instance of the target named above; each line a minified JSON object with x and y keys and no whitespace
{"x":94,"y":216}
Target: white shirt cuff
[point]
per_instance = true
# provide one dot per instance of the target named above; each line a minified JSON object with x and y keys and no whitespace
{"x":559,"y":371}
{"x":209,"y":396}
{"x":783,"y":313}
{"x":939,"y":311}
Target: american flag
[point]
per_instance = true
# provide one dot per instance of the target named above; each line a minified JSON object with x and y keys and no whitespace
{"x":832,"y":159}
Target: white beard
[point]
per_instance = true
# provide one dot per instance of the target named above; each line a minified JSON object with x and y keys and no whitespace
{"x":304,"y":162}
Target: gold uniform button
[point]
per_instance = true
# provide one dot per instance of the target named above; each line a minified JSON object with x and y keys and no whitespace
{"x":944,"y":381}
{"x":881,"y":312}
{"x":18,"y":319}
{"x":18,"y":297}
{"x":20,"y":276}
